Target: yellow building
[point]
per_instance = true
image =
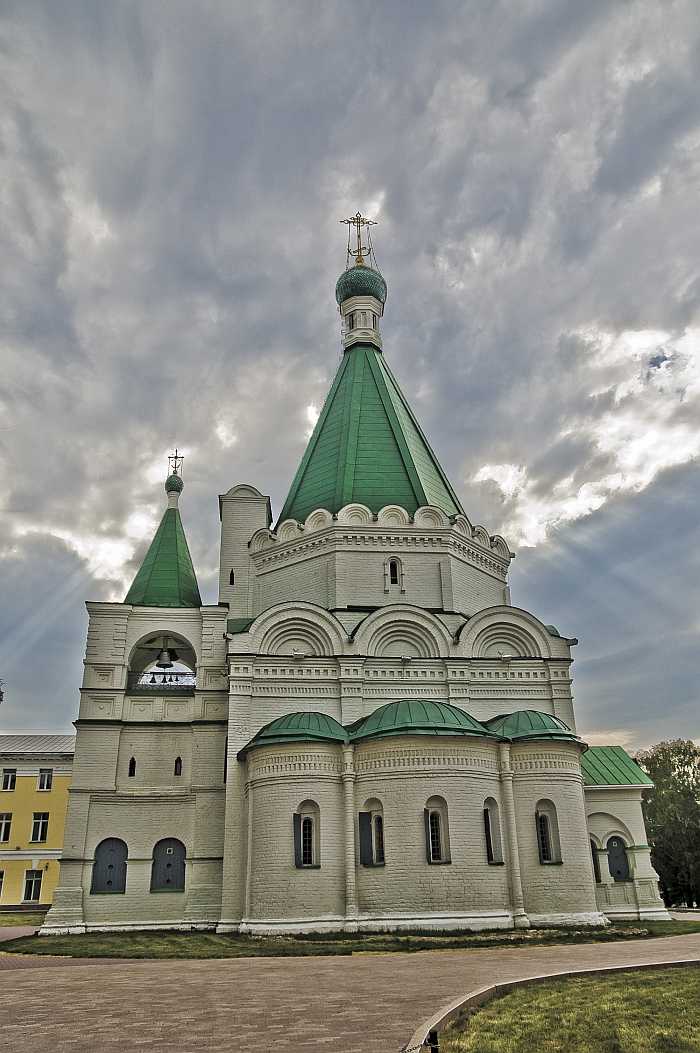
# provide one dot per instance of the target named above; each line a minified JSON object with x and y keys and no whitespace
{"x":35,"y":773}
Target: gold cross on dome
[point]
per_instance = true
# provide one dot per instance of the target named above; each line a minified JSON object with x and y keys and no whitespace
{"x":358,"y":221}
{"x":175,"y":463}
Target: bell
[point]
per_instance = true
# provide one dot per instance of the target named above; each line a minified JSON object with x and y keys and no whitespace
{"x":164,"y":659}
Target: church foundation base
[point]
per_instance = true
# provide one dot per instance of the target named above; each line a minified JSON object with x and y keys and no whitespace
{"x":642,"y":914}
{"x":438,"y":922}
{"x":586,"y":919}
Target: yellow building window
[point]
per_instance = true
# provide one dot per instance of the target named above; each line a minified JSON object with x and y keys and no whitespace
{"x":40,"y":826}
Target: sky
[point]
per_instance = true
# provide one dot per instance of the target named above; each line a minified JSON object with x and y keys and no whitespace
{"x":171,"y":180}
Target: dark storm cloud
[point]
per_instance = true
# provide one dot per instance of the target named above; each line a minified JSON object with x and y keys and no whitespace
{"x":171,"y":178}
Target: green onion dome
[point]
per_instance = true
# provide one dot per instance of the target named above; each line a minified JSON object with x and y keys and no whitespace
{"x":530,"y":724}
{"x":360,"y":281}
{"x":417,"y":717}
{"x":174,"y":484}
{"x":297,"y":727}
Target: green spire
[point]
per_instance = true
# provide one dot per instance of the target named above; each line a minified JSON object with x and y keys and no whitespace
{"x":166,"y":577}
{"x":367,"y":447}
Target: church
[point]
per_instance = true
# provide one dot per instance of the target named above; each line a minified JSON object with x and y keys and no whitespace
{"x":363,"y":733}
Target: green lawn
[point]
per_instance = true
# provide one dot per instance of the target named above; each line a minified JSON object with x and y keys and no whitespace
{"x":209,"y":945}
{"x":649,"y":1011}
{"x":21,"y":917}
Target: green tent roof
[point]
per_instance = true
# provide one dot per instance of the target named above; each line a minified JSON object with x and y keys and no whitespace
{"x":298,"y":727}
{"x":367,"y":447}
{"x":611,"y":766}
{"x":416,"y":717}
{"x":529,"y":724}
{"x":166,"y":577}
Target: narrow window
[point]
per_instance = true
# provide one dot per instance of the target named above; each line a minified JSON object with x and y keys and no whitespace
{"x":435,"y":839}
{"x":168,"y":866}
{"x":351,"y":321}
{"x":40,"y":826}
{"x":374,"y":320}
{"x":371,"y":829}
{"x":45,"y":779}
{"x":9,"y":778}
{"x":109,"y":866}
{"x":393,"y":572}
{"x":2,"y":881}
{"x":378,"y":839}
{"x":618,"y":862}
{"x":5,"y":825}
{"x":307,"y":841}
{"x":487,"y":835}
{"x":132,"y":767}
{"x":178,"y":765}
{"x":231,"y":578}
{"x":544,"y":840}
{"x":547,"y":832}
{"x":596,"y":862}
{"x":32,"y":886}
{"x":306,"y":835}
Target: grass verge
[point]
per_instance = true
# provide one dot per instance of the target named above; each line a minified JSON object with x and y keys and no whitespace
{"x":21,"y":917}
{"x":650,"y":1011}
{"x":210,"y":945}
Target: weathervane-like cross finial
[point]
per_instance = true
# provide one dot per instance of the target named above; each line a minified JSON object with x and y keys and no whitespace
{"x":175,"y":463}
{"x":358,"y":221}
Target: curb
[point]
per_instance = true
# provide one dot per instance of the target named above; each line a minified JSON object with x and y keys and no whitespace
{"x":419,"y":1040}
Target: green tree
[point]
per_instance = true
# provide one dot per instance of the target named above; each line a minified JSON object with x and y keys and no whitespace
{"x":672,"y":816}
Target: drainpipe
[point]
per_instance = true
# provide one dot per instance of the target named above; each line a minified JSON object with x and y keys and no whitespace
{"x":520,"y":918}
{"x":349,"y":800}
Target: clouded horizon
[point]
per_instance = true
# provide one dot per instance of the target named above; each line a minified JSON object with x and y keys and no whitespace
{"x":172,"y":180}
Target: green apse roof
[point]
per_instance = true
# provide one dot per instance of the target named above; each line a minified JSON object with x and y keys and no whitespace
{"x":367,"y":447}
{"x":166,"y":577}
{"x":611,"y":766}
{"x":298,"y":727}
{"x":529,"y":724}
{"x":416,"y":717}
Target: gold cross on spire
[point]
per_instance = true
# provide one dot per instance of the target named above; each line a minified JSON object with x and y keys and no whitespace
{"x":175,"y":463}
{"x":358,"y":221}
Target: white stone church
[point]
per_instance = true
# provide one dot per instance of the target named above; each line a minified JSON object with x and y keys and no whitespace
{"x":363,"y":733}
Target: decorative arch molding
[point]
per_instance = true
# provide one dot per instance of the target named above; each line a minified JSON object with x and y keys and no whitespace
{"x":508,"y":630}
{"x":243,"y":490}
{"x":261,"y":539}
{"x":402,"y":630}
{"x":289,"y":530}
{"x":481,"y":536}
{"x":500,"y":547}
{"x":393,"y":515}
{"x":355,"y":515}
{"x":462,"y":525}
{"x":318,"y":519}
{"x":604,"y":825}
{"x":431,"y":517}
{"x":298,"y":629}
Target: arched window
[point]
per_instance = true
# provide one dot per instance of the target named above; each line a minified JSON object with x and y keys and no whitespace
{"x":351,"y":320}
{"x":547,"y":830}
{"x":178,"y":766}
{"x":437,"y":833}
{"x":393,"y":574}
{"x":618,"y":862}
{"x":596,"y":861}
{"x":231,"y":578}
{"x":371,"y":828}
{"x":306,"y":822}
{"x":109,"y":867}
{"x":492,"y":831}
{"x":132,"y":767}
{"x":168,"y":866}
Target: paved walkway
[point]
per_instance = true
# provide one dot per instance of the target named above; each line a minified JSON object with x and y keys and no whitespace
{"x":362,"y":1004}
{"x":13,"y":932}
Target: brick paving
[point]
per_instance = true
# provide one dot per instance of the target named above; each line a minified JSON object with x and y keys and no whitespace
{"x":368,"y":1003}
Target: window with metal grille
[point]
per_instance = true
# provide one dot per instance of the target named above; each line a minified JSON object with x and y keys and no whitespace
{"x":5,"y":826}
{"x":435,"y":839}
{"x":9,"y":778}
{"x":544,"y":841}
{"x":307,"y":841}
{"x":32,"y":885}
{"x":40,"y":826}
{"x":45,"y":779}
{"x":378,"y":839}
